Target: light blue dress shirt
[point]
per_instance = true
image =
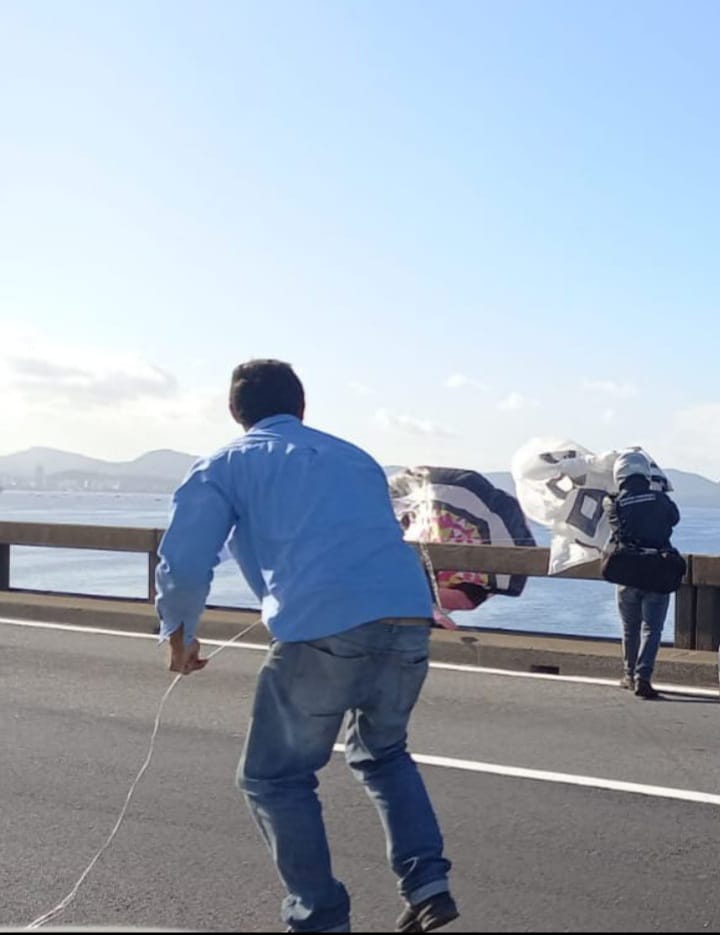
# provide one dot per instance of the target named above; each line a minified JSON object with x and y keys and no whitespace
{"x":313,"y":531}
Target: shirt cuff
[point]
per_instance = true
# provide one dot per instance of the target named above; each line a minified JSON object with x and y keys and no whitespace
{"x":168,"y":627}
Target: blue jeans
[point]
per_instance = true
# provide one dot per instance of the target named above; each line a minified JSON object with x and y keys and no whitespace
{"x":643,"y":616}
{"x":373,"y":675}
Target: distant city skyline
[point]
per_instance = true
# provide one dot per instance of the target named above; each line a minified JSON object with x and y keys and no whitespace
{"x":465,"y":224}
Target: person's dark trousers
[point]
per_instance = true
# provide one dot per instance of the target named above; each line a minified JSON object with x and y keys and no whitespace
{"x":643,"y":617}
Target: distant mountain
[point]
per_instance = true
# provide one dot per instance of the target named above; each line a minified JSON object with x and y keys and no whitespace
{"x":162,"y":471}
{"x":162,"y":463}
{"x":26,"y":464}
{"x":52,"y":469}
{"x":693,"y":489}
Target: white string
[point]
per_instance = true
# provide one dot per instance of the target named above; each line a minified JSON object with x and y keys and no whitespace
{"x":431,"y":573}
{"x":63,"y":904}
{"x":424,"y":506}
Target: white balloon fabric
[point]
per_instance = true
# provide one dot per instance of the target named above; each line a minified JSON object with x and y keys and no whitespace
{"x":562,"y":485}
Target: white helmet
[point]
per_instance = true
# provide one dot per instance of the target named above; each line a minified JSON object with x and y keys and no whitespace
{"x":631,"y":462}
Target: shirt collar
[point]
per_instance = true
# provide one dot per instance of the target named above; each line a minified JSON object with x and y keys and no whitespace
{"x":270,"y":421}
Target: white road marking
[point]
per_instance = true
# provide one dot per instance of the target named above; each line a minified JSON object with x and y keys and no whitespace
{"x":615,"y":785}
{"x":102,"y":631}
{"x":581,"y":679}
{"x":449,"y":666}
{"x":686,"y":795}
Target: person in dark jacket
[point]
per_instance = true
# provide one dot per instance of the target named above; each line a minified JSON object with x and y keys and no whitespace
{"x":645,"y":518}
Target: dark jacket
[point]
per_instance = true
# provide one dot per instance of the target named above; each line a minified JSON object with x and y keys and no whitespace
{"x":641,"y":516}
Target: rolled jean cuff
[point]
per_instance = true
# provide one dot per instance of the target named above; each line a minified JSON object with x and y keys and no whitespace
{"x":427,"y":890}
{"x":345,"y":927}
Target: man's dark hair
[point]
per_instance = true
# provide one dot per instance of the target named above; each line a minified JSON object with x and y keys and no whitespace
{"x":262,"y":388}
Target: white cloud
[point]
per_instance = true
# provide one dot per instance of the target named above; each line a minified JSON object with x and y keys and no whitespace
{"x":611,"y":388}
{"x":360,"y":389}
{"x":608,"y":416}
{"x":96,"y":401}
{"x":515,"y":401}
{"x":410,"y":424}
{"x":53,"y":375}
{"x":92,"y":383}
{"x":458,"y":381}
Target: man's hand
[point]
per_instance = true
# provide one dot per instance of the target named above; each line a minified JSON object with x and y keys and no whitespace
{"x":185,"y":659}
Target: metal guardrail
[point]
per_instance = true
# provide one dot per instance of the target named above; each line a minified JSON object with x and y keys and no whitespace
{"x":697,"y":603}
{"x":71,"y":536}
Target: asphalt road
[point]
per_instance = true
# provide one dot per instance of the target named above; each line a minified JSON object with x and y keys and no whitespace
{"x":543,"y":832}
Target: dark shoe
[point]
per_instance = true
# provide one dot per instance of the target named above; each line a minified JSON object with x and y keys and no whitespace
{"x":643,"y":689}
{"x":430,"y":914}
{"x":627,"y":681}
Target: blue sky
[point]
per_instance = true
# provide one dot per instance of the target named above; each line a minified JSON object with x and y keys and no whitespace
{"x":465,"y":224}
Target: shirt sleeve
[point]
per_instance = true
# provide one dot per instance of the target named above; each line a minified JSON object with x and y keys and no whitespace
{"x":246,"y":561}
{"x":200,"y":522}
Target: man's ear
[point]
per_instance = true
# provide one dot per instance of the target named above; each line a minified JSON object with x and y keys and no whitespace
{"x":233,"y":413}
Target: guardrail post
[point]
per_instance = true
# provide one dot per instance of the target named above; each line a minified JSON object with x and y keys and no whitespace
{"x":707,"y":619}
{"x":153,"y":562}
{"x":4,"y":566}
{"x":685,"y":617}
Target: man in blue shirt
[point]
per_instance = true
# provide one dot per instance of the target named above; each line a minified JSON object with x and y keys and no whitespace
{"x":348,"y":606}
